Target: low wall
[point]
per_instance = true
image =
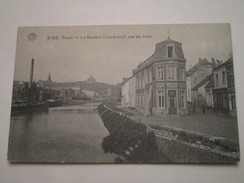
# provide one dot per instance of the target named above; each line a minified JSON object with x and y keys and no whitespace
{"x":200,"y":141}
{"x":176,"y":145}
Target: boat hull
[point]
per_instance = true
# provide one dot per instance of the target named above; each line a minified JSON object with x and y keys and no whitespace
{"x":29,"y":108}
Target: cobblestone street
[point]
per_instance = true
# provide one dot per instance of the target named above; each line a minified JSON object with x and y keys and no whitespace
{"x":209,"y":123}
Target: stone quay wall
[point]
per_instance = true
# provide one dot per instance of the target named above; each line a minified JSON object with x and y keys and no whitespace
{"x":200,"y":141}
{"x":181,"y":146}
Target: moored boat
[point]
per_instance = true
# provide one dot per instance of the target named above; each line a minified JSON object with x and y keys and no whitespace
{"x":20,"y":108}
{"x":55,"y":102}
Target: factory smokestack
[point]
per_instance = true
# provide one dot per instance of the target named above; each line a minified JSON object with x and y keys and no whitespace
{"x":31,"y":73}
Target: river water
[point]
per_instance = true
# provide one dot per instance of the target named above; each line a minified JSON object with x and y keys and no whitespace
{"x":71,"y":134}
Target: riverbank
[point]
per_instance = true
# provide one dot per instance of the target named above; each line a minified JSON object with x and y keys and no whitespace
{"x":178,"y":144}
{"x":129,"y":139}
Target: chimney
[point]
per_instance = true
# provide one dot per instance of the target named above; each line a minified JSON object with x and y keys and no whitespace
{"x":219,"y":62}
{"x":213,"y":62}
{"x":125,"y":79}
{"x":31,"y":72}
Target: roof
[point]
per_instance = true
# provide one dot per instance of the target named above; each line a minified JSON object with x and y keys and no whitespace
{"x":125,"y":80}
{"x":230,"y":60}
{"x":169,"y":40}
{"x":160,"y":54}
{"x":201,"y":62}
{"x":204,"y":61}
{"x":204,"y":81}
{"x":145,"y":63}
{"x":191,"y":71}
{"x":210,"y":83}
{"x":43,"y":83}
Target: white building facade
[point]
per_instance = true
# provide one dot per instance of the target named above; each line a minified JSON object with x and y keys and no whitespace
{"x":125,"y":96}
{"x":159,"y":83}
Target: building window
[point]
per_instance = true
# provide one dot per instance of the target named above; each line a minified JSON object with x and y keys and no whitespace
{"x":146,"y":76}
{"x":138,"y":100}
{"x":233,"y":102}
{"x":223,"y":77}
{"x":142,"y":99}
{"x":225,"y":101}
{"x":142,"y":82}
{"x":231,"y":81}
{"x":189,"y":94}
{"x":170,"y":51}
{"x":171,"y":72}
{"x":160,"y":73}
{"x":139,"y":80}
{"x":150,"y":75}
{"x":138,"y":97}
{"x":181,"y":73}
{"x":160,"y":98}
{"x":182,"y":99}
{"x":195,"y":82}
{"x":217,"y":80}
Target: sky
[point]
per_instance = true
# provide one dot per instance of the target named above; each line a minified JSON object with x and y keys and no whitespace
{"x":109,"y":53}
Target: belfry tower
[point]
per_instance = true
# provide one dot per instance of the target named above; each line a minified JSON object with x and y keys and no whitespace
{"x":49,"y":78}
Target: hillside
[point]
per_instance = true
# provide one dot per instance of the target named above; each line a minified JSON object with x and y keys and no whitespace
{"x":96,"y":86}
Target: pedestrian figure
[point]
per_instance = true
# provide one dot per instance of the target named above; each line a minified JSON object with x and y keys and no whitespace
{"x":194,"y":107}
{"x":203,"y":108}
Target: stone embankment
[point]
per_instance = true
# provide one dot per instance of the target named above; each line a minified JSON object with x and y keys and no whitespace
{"x":219,"y":149}
{"x":129,"y":139}
{"x":176,"y":145}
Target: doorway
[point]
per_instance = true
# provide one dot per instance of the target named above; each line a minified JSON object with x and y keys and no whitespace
{"x":172,"y":102}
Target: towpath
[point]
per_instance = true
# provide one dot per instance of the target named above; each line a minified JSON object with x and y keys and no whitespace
{"x":208,"y":123}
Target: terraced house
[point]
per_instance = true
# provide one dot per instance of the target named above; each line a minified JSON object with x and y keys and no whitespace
{"x":224,"y":88}
{"x":161,"y":81}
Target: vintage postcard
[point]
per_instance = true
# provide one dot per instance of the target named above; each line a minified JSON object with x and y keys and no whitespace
{"x":124,"y":94}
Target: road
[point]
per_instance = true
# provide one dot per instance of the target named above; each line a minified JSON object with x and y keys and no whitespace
{"x":208,"y":123}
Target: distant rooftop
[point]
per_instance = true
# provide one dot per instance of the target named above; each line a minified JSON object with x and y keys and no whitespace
{"x":202,"y":61}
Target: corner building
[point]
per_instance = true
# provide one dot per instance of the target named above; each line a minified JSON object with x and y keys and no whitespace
{"x":161,"y":81}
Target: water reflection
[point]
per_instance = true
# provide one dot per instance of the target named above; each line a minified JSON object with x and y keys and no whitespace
{"x":63,"y":134}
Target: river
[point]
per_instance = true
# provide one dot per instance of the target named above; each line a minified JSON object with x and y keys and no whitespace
{"x":70,"y":134}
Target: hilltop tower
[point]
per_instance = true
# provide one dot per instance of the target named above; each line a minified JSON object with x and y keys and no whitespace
{"x":91,"y":80}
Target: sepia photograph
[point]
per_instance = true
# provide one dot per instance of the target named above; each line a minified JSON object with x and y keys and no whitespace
{"x":148,"y":94}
